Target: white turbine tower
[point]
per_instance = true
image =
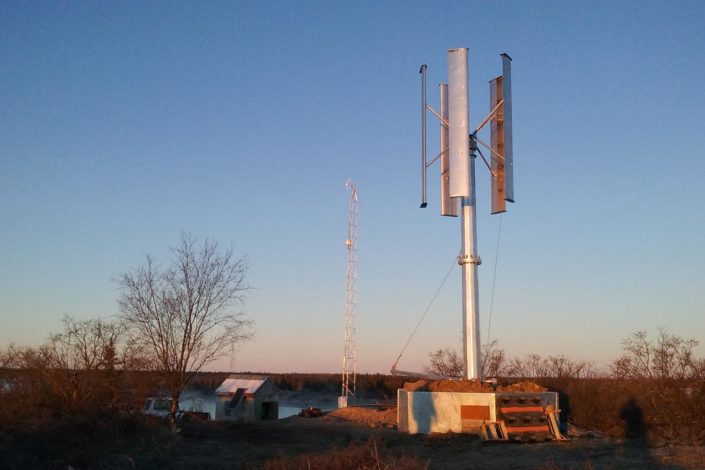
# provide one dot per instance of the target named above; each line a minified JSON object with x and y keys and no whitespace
{"x":458,"y":151}
{"x":348,"y":386}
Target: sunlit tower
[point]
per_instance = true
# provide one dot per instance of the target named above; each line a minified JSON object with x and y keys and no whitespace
{"x":348,"y":387}
{"x":459,"y":149}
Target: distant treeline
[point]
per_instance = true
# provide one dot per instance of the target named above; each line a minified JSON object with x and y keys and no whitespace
{"x":657,"y":385}
{"x":369,"y":385}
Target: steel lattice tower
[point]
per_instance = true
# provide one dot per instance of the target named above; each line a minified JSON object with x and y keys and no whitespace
{"x":348,"y":386}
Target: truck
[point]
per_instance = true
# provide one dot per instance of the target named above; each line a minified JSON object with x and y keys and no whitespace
{"x":191,"y":407}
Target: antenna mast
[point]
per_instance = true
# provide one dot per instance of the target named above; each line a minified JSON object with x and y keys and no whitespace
{"x":348,"y":386}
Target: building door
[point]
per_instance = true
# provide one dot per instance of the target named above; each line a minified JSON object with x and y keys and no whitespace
{"x":270,"y":410}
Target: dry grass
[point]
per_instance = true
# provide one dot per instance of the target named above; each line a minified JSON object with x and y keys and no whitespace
{"x":661,"y":412}
{"x":366,"y":456}
{"x":80,"y":442}
{"x":369,"y":416}
{"x":550,"y":464}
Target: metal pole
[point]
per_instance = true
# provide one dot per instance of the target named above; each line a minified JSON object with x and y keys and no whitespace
{"x":469,"y":262}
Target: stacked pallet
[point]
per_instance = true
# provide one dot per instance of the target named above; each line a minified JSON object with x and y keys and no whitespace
{"x":523,"y":417}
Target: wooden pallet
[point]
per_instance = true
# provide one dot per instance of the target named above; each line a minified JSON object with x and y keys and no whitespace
{"x":553,"y":423}
{"x":494,"y":431}
{"x":527,"y":418}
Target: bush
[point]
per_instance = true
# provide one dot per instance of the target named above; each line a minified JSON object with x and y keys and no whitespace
{"x":663,"y":411}
{"x":356,"y":456}
{"x":78,"y":441}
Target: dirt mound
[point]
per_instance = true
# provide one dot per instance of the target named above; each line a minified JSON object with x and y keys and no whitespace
{"x":523,"y":386}
{"x":459,"y":386}
{"x":369,"y":416}
{"x":418,"y":386}
{"x":474,"y":386}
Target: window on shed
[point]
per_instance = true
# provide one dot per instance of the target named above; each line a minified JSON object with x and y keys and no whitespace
{"x":237,"y":398}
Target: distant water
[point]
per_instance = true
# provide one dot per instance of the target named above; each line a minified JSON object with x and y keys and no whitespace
{"x":290,"y":404}
{"x":285,"y":411}
{"x":292,"y":409}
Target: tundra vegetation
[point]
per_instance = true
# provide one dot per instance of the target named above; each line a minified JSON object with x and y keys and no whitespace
{"x":75,"y":399}
{"x":655,"y":389}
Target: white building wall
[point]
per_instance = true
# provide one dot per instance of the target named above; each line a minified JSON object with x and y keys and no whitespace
{"x":427,"y":412}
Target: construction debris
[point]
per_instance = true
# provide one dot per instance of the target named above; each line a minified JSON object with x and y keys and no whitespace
{"x":470,"y":386}
{"x":495,"y":431}
{"x":576,"y":431}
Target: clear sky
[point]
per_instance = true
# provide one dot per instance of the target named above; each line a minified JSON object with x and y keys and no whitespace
{"x":123,"y":124}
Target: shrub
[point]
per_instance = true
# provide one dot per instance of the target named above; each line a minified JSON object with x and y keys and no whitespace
{"x":356,"y":456}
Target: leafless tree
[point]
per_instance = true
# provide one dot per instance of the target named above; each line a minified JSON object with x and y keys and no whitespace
{"x":445,"y":362}
{"x":9,"y":357}
{"x":449,"y":363}
{"x":535,"y":365}
{"x":494,"y":363}
{"x":532,"y":365}
{"x":668,"y":357}
{"x":74,"y":371}
{"x":699,"y":370}
{"x":494,"y":360}
{"x":186,"y":316}
{"x":86,"y":344}
{"x":562,"y":367}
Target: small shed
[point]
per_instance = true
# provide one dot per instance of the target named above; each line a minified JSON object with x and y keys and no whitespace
{"x":248,"y":399}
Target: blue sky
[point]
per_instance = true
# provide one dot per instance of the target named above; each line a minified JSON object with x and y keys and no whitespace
{"x":125,"y":123}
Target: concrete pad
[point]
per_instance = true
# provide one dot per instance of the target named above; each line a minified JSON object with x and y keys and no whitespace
{"x":459,"y":412}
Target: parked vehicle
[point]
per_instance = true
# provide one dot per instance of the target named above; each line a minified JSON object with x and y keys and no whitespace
{"x":311,"y":412}
{"x":161,"y":406}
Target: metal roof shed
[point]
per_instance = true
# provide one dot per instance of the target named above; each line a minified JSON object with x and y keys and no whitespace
{"x":247,"y":399}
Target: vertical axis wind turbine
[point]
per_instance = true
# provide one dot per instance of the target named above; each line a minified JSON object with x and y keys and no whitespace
{"x":458,"y":151}
{"x":348,"y":385}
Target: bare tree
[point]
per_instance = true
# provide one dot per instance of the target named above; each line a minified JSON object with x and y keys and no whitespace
{"x":445,"y":362}
{"x":562,"y":367}
{"x":699,"y":370}
{"x":86,"y":344}
{"x":532,"y":365}
{"x":668,"y":357}
{"x":75,"y":370}
{"x":494,"y":363}
{"x":494,"y":360}
{"x":536,"y":366}
{"x":10,"y":357}
{"x":185,"y":316}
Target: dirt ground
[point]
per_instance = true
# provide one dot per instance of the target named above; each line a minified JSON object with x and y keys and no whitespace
{"x":470,"y":386}
{"x":230,"y":445}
